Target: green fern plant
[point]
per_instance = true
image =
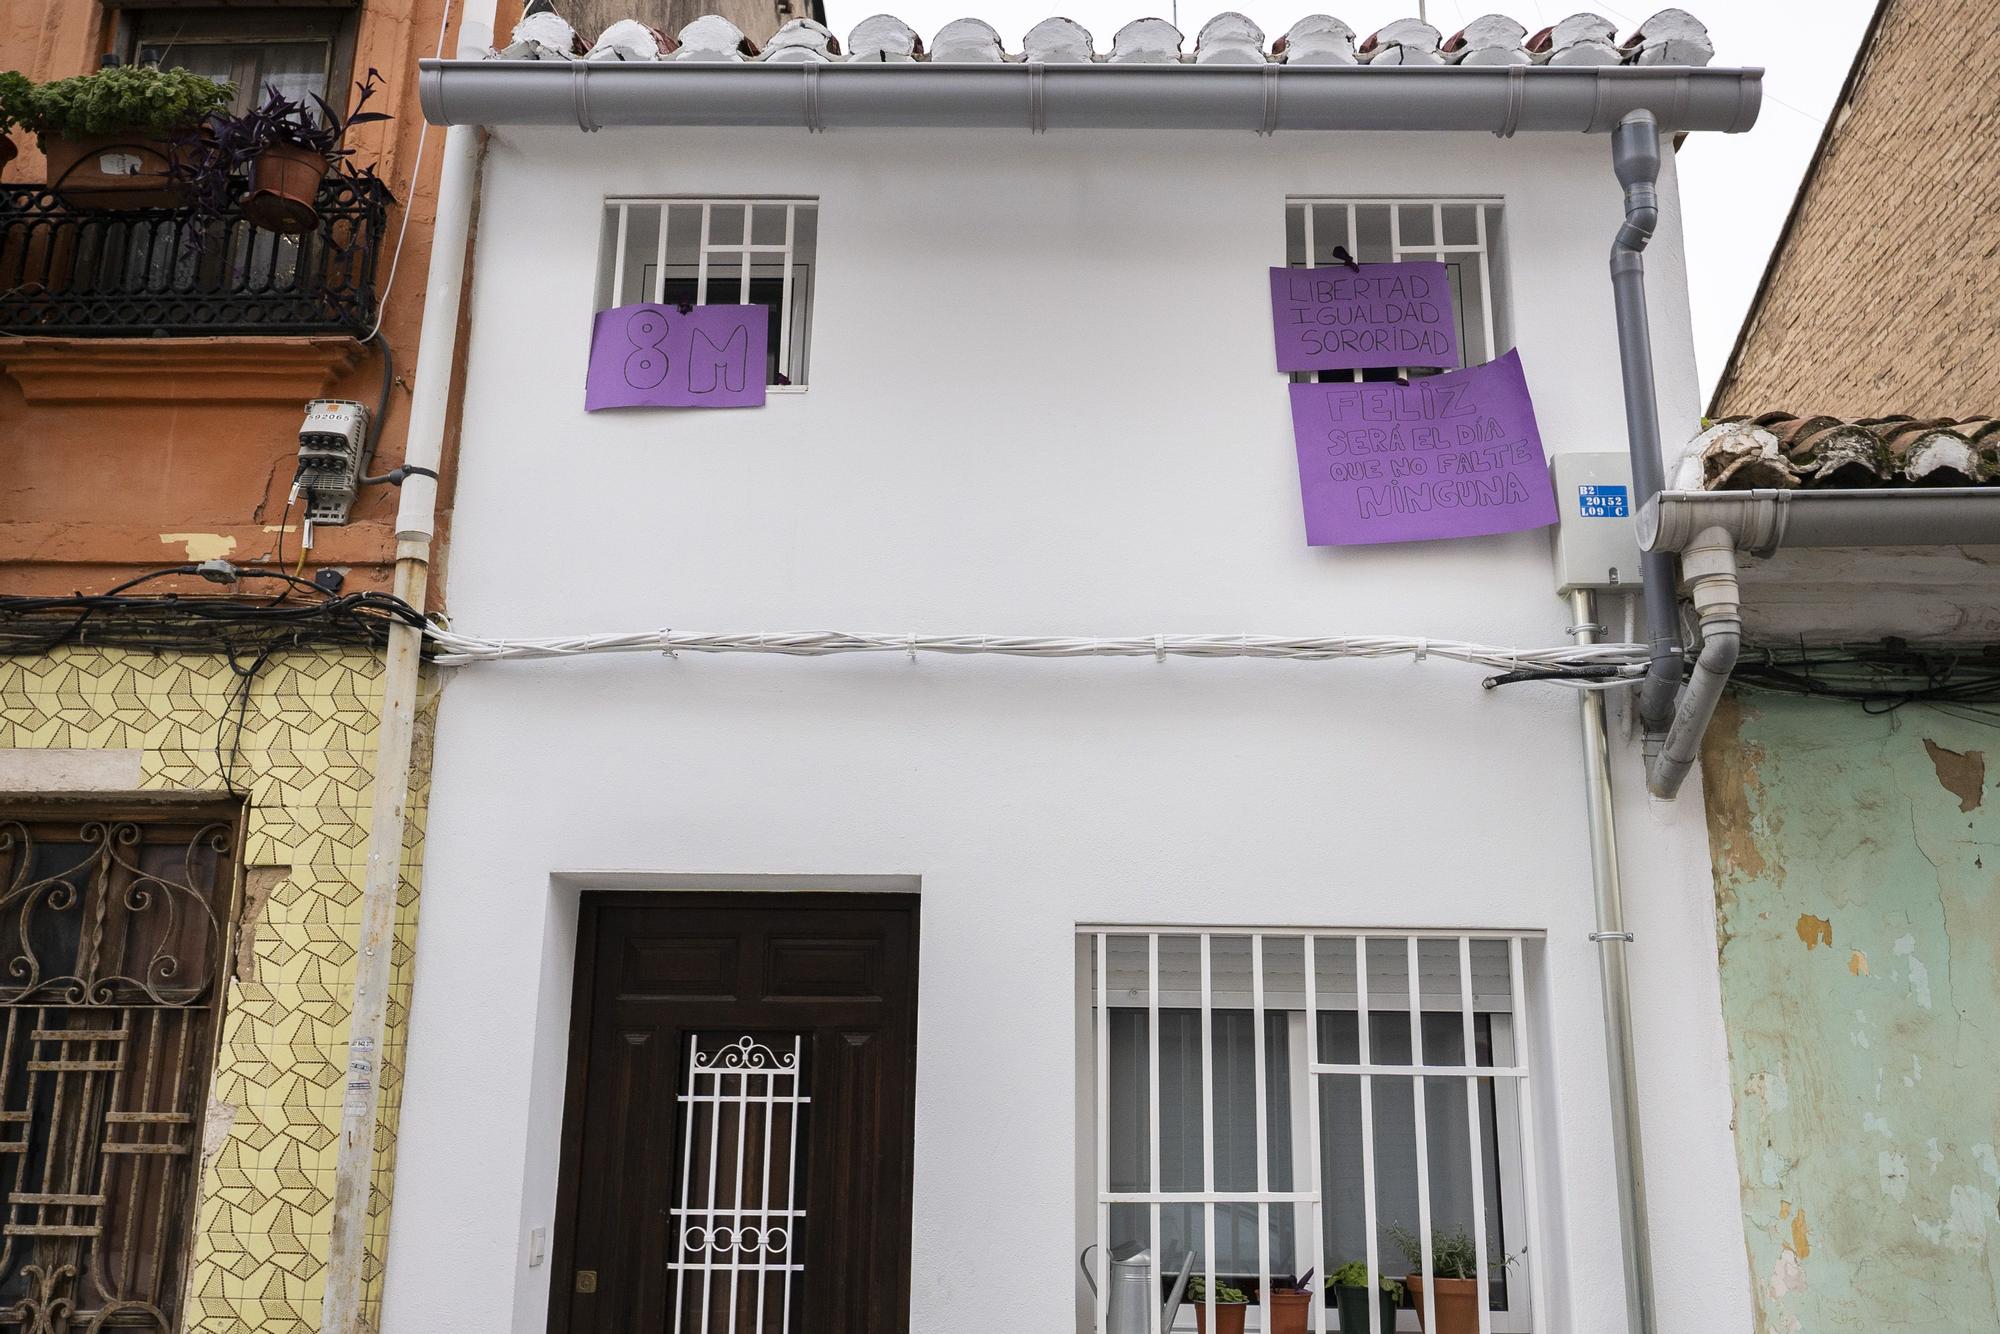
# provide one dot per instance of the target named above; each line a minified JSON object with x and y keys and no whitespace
{"x":122,"y":99}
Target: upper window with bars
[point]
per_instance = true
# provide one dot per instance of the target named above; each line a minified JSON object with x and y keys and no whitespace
{"x":708,"y":252}
{"x":1462,"y":234}
{"x":1277,"y":1104}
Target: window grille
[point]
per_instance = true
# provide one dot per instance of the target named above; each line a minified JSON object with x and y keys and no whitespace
{"x":718,"y":252}
{"x":1278,"y":1101}
{"x":1462,"y":234}
{"x":742,"y":1212}
{"x":113,"y":948}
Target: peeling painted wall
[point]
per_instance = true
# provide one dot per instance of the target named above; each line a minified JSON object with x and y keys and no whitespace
{"x":1858,"y":910}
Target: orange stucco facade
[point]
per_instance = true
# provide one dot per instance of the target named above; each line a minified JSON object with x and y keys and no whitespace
{"x":120,"y":455}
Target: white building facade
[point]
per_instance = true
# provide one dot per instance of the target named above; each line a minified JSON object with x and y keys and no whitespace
{"x":1043,"y":924}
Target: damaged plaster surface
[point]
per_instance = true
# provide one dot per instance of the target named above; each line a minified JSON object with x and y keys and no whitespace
{"x":1867,"y":1091}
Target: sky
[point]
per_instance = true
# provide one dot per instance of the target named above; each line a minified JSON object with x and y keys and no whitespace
{"x":1735,"y":189}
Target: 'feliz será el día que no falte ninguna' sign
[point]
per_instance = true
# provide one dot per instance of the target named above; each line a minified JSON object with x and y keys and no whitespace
{"x":654,"y":356}
{"x":1379,"y":315}
{"x":1452,"y":455}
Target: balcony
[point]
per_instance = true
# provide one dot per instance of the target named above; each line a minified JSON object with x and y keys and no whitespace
{"x":68,"y":272}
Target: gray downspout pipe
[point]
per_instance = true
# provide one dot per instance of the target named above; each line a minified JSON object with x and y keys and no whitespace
{"x":1635,"y":155}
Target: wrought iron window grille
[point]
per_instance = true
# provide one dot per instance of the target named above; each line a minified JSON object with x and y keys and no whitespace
{"x":114,"y":947}
{"x":139,"y":273}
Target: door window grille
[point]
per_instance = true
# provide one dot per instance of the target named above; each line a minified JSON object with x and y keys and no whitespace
{"x":1462,"y":234}
{"x":1276,"y":1102}
{"x":740,"y":1224}
{"x":718,"y":252}
{"x":113,"y":946}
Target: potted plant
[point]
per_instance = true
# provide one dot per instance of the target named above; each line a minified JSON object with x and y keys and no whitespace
{"x":107,"y":134}
{"x":1454,"y":1274}
{"x":1291,"y":1305}
{"x":1230,"y":1306}
{"x":1349,"y":1287}
{"x":14,"y":90}
{"x":277,"y":153}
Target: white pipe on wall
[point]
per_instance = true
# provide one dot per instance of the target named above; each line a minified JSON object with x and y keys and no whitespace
{"x":354,"y":1164}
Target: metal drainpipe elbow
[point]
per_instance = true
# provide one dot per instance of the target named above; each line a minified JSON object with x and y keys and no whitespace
{"x":1709,"y":564}
{"x":1635,"y":156}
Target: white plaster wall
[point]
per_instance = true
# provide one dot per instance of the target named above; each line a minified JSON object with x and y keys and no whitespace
{"x":1042,"y":401}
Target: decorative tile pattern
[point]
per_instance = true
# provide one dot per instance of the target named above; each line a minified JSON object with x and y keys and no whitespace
{"x":304,"y":757}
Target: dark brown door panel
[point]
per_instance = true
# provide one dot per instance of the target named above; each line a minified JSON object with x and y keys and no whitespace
{"x":737,"y":1136}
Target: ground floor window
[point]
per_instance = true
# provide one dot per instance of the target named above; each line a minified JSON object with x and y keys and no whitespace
{"x":1276,"y":1104}
{"x":114,"y":945}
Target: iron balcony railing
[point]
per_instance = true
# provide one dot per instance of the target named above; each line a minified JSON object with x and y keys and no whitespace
{"x":139,"y":272}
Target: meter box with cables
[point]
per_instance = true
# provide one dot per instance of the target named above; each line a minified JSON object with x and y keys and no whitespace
{"x":1597,"y":545}
{"x":333,"y":452}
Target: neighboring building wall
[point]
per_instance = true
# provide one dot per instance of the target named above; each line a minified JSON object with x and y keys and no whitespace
{"x":1860,"y":982}
{"x":1879,"y":299}
{"x":128,"y":454}
{"x":305,"y":759}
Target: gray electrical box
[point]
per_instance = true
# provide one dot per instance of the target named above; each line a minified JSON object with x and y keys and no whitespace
{"x":1597,"y":543}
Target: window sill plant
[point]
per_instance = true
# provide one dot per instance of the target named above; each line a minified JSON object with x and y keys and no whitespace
{"x":1454,"y":1275}
{"x":277,"y":153}
{"x":107,"y":135}
{"x":1231,"y":1304}
{"x":1348,"y":1287}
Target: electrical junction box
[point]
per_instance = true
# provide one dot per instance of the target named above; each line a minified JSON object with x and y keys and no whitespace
{"x":1597,"y":542}
{"x":333,"y":452}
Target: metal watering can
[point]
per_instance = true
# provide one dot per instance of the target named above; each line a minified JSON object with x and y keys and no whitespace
{"x":1132,"y":1289}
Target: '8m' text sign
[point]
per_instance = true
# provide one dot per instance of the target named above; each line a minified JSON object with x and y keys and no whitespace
{"x":652,"y":356}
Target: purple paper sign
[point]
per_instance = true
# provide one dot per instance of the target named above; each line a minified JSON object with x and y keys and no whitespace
{"x":648,"y":356}
{"x":1452,"y":455}
{"x":1339,"y":319}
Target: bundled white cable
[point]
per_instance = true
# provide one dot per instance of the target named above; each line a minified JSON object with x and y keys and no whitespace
{"x":1626,"y":660}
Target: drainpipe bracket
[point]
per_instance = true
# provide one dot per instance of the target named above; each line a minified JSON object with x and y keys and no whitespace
{"x":1599,"y":937}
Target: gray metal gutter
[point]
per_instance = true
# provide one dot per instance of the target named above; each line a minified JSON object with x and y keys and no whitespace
{"x":1708,"y":528}
{"x":1763,"y":521}
{"x":1262,"y":99}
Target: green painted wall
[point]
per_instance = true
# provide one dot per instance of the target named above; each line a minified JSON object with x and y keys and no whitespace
{"x":1857,"y":867}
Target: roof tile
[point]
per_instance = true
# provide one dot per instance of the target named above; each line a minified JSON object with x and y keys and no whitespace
{"x":1670,"y":37}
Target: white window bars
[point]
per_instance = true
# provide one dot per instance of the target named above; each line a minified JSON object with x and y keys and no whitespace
{"x":718,"y":252}
{"x":1282,"y":1101}
{"x":1462,"y":234}
{"x":737,"y":1248}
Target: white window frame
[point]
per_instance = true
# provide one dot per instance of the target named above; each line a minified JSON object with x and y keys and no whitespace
{"x":753,"y":259}
{"x":1514,"y":1129}
{"x":1330,"y":220}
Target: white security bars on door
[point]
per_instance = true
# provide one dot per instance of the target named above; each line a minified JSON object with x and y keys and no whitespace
{"x":1278,"y":1103}
{"x":717,"y":252}
{"x":1461,"y":234}
{"x":739,"y":1226}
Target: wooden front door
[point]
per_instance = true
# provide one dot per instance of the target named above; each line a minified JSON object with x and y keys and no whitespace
{"x":737,"y":1137}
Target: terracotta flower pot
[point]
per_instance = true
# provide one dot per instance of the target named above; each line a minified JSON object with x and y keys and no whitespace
{"x":119,"y":171}
{"x":1228,"y":1318}
{"x":284,"y":187}
{"x":1291,"y":1311}
{"x":1457,"y":1303}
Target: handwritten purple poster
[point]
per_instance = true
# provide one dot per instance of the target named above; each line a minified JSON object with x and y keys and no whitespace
{"x":1341,"y":319}
{"x":649,"y":356}
{"x":1452,"y":455}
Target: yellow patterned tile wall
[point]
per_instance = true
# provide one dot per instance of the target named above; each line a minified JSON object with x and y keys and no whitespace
{"x":301,"y":747}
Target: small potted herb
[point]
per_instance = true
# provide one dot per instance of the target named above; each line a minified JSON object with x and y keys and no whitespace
{"x":1291,"y":1304}
{"x":278,"y":153}
{"x":107,"y":134}
{"x":1230,"y":1306}
{"x":1349,"y":1287}
{"x":14,"y":90}
{"x":1455,"y":1276}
